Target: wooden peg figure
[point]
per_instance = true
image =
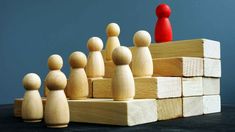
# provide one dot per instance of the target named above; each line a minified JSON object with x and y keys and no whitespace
{"x":55,"y":63}
{"x":112,"y":31}
{"x":77,"y":84}
{"x":32,"y":107}
{"x":123,"y":87}
{"x":142,"y":64}
{"x":163,"y":30}
{"x":95,"y":64}
{"x":57,"y":108}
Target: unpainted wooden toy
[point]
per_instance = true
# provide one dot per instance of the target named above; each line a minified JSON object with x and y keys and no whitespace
{"x":32,"y":107}
{"x":123,"y":86}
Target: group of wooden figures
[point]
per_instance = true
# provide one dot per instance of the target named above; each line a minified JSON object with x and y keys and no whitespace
{"x":58,"y":88}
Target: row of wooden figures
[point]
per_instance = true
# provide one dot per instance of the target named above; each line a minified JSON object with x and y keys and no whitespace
{"x":123,"y":88}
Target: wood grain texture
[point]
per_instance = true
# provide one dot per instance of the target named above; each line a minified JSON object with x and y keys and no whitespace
{"x":211,"y":86}
{"x":192,"y":86}
{"x":154,"y":87}
{"x":107,"y":111}
{"x":182,"y":66}
{"x":212,"y":67}
{"x":203,"y":48}
{"x":192,"y":106}
{"x":169,"y":108}
{"x":211,"y":104}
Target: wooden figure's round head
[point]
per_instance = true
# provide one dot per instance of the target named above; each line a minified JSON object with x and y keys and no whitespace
{"x":163,"y":10}
{"x":55,"y":62}
{"x":77,"y":60}
{"x":121,"y":55}
{"x":142,"y":39}
{"x":112,"y":29}
{"x":56,"y":80}
{"x":31,"y":81}
{"x":95,"y":44}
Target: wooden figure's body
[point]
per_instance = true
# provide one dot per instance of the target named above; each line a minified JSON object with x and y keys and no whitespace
{"x":163,"y":30}
{"x":123,"y":86}
{"x":113,"y":42}
{"x":142,"y":64}
{"x":77,"y":84}
{"x":32,"y":107}
{"x":95,"y":64}
{"x":77,"y":87}
{"x":56,"y":108}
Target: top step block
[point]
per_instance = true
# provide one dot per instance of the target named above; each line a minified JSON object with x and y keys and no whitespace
{"x":203,"y":48}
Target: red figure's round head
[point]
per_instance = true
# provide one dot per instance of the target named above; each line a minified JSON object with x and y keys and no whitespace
{"x":163,"y":10}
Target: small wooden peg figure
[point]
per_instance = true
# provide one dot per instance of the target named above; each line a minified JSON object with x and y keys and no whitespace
{"x":77,"y":84}
{"x":142,"y":64}
{"x":95,"y":64}
{"x":57,"y":108}
{"x":112,"y":31}
{"x":32,"y":107}
{"x":55,"y":63}
{"x":163,"y":30}
{"x":123,"y":86}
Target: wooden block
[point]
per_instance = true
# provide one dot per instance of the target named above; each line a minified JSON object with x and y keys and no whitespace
{"x":18,"y":105}
{"x":109,"y":69}
{"x":192,"y":106}
{"x":90,"y":85}
{"x":212,"y":68}
{"x":211,"y":104}
{"x":182,"y":66}
{"x":211,"y":86}
{"x":169,"y":108}
{"x":192,"y":86}
{"x":203,"y":48}
{"x":154,"y":87}
{"x":107,"y":111}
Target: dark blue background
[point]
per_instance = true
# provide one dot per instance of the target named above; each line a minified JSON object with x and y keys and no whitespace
{"x":31,"y":30}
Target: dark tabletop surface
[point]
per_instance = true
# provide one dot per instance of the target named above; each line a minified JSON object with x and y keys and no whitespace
{"x":224,"y":121}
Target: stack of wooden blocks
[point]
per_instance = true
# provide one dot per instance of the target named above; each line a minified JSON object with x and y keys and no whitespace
{"x":186,"y":82}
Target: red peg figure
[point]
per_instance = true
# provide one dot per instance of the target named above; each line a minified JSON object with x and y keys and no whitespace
{"x":163,"y":30}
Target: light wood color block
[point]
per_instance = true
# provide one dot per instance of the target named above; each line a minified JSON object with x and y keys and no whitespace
{"x":192,"y":86}
{"x":183,"y":66}
{"x":109,"y":69}
{"x":154,"y":87}
{"x":90,"y":85}
{"x":192,"y":106}
{"x":18,"y":106}
{"x":203,"y":48}
{"x":212,"y":68}
{"x":107,"y":111}
{"x":169,"y":108}
{"x":211,"y":104}
{"x":211,"y":86}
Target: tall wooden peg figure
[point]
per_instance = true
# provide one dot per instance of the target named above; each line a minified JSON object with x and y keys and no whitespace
{"x":55,"y":63}
{"x":163,"y":30}
{"x":77,"y":84}
{"x":123,"y":86}
{"x":142,"y":64}
{"x":95,"y":64}
{"x":32,"y":107}
{"x":112,"y":31}
{"x":57,"y":108}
